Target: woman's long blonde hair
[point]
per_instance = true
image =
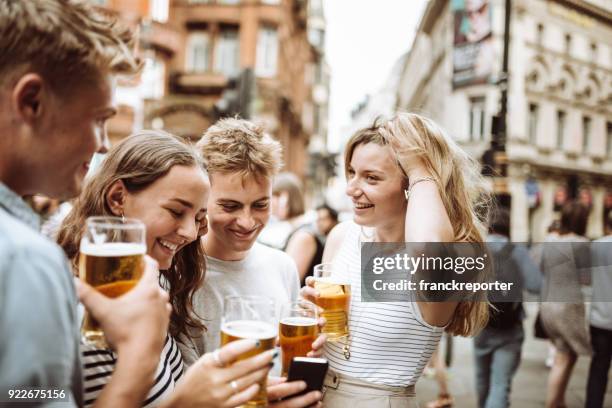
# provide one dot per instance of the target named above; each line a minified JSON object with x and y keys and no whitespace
{"x":463,"y":190}
{"x":138,"y":161}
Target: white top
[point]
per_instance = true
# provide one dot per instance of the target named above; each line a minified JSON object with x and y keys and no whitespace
{"x":99,"y":364}
{"x":265,"y":271}
{"x":390,"y":343}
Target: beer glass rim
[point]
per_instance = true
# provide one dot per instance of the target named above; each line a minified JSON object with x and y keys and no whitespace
{"x":103,"y":221}
{"x":299,"y":305}
{"x":321,"y":267}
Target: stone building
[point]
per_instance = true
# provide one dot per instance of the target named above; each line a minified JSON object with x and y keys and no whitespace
{"x":559,"y":140}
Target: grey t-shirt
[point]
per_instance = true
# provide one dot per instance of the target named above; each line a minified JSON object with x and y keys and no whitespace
{"x":265,"y":271}
{"x":39,"y":334}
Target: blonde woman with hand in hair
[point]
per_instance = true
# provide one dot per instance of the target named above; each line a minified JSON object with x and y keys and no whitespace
{"x":408,"y":182}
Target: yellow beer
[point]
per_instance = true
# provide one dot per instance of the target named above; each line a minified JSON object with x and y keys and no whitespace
{"x":255,"y":330}
{"x":296,"y":337}
{"x":112,"y":269}
{"x":335,"y":300}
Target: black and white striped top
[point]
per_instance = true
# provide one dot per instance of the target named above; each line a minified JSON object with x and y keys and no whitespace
{"x":98,"y":366}
{"x":390,"y":343}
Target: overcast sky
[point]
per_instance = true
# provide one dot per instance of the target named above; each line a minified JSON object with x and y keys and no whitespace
{"x":364,"y":39}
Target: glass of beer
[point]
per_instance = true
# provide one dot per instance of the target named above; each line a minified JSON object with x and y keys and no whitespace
{"x":111,"y":260}
{"x":334,"y":299}
{"x":250,"y":317}
{"x":298,"y":329}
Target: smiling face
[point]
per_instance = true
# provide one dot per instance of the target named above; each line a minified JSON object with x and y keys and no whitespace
{"x":173,"y":209}
{"x":375,"y":185}
{"x":239,"y":209}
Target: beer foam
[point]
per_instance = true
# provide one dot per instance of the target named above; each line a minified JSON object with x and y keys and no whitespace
{"x":333,"y":280}
{"x":249,"y":329}
{"x":112,"y":249}
{"x":299,"y":321}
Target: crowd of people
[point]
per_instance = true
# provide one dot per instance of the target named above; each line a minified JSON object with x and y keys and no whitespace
{"x":205,"y":206}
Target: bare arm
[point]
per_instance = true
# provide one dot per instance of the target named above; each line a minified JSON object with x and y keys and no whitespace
{"x":302,"y":248}
{"x":427,"y":221}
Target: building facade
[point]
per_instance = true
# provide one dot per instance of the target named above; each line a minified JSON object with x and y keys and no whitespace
{"x":205,"y":59}
{"x":559,"y":132}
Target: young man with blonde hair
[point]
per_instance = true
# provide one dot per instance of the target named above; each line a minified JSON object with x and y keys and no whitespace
{"x":242,"y":161}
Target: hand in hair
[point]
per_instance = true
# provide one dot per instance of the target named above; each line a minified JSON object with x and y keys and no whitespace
{"x":213,"y":381}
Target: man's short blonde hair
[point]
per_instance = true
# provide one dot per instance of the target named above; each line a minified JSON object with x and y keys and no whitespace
{"x":67,"y":42}
{"x":236,"y":145}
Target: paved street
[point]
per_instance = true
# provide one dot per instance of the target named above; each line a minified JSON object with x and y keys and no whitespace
{"x":529,"y":387}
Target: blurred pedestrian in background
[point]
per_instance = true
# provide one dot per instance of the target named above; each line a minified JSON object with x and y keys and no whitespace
{"x":564,"y":320}
{"x":497,"y":348}
{"x":286,"y":210}
{"x":601,"y":318}
{"x":305,"y":244}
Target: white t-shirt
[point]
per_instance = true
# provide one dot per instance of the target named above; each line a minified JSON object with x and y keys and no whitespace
{"x":265,"y":271}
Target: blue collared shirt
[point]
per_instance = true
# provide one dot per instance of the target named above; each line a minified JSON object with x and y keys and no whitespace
{"x":39,"y":334}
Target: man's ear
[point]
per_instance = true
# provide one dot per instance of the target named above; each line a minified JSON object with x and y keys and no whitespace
{"x":27,"y":97}
{"x":115,"y":197}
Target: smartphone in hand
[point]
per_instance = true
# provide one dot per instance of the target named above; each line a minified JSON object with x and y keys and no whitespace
{"x":310,"y":370}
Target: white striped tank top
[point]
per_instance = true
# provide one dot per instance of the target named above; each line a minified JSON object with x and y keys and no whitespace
{"x":99,"y":364}
{"x":390,"y":343}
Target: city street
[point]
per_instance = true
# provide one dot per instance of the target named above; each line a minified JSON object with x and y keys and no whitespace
{"x":529,"y":386}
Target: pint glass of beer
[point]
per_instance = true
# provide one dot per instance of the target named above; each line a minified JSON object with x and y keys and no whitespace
{"x":334,"y":299}
{"x":111,"y":260}
{"x":250,"y":317}
{"x":298,"y":329}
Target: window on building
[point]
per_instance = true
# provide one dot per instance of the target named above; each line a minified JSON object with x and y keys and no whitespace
{"x":477,"y":118}
{"x":594,"y":52}
{"x":561,"y":122}
{"x":540,"y":34}
{"x":586,"y":133}
{"x":609,"y":135}
{"x":153,"y":76}
{"x":267,"y":52}
{"x":532,"y":122}
{"x":568,"y":43}
{"x":198,"y":52}
{"x":159,"y":10}
{"x":227,"y":52}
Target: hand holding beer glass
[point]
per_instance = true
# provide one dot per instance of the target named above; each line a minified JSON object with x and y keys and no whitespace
{"x":335,"y":299}
{"x":111,"y":260}
{"x":250,"y":317}
{"x":298,"y":329}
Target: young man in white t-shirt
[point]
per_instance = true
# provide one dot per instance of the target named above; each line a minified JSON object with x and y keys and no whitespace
{"x":242,"y":160}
